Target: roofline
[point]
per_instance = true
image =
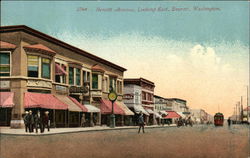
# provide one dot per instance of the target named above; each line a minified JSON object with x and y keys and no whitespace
{"x":175,"y":99}
{"x":24,"y":28}
{"x":139,"y":80}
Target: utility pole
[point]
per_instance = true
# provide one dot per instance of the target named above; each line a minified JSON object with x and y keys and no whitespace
{"x":247,"y":107}
{"x":239,"y":110}
{"x":241,"y":104}
{"x":236,"y":113}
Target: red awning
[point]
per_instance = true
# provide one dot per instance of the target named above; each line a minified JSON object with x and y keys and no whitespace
{"x":172,"y":114}
{"x":60,"y":70}
{"x":39,"y":100}
{"x":40,"y":47}
{"x":6,"y":45}
{"x":6,"y":99}
{"x":84,"y":109}
{"x":106,"y":108}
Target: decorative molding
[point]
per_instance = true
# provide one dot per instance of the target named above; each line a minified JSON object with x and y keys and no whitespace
{"x":37,"y":83}
{"x":4,"y":84}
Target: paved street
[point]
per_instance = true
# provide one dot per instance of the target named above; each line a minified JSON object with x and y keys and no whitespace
{"x":168,"y":142}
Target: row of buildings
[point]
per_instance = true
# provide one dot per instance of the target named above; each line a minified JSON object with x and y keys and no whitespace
{"x":41,"y":73}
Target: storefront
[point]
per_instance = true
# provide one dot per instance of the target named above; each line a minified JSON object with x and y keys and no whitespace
{"x":34,"y":62}
{"x":106,"y":111}
{"x":6,"y":104}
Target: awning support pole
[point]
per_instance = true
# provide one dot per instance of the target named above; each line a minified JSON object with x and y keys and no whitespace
{"x":54,"y":118}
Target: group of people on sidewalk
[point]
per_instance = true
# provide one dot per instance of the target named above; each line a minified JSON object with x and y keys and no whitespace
{"x":36,"y":121}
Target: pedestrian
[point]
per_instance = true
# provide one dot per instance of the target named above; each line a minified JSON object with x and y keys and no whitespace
{"x":46,"y":121}
{"x":229,"y":122}
{"x":38,"y":122}
{"x":31,"y":121}
{"x":26,"y":121}
{"x":141,"y":123}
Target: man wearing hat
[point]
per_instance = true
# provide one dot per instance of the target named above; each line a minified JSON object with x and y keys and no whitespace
{"x":31,"y":122}
{"x":141,"y":122}
{"x":46,"y":120}
{"x":26,"y":121}
{"x":38,"y":122}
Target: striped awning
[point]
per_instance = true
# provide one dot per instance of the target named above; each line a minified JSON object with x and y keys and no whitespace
{"x":139,"y":108}
{"x":150,"y":111}
{"x":124,"y":108}
{"x":71,"y":105}
{"x":91,"y":108}
{"x":157,"y":115}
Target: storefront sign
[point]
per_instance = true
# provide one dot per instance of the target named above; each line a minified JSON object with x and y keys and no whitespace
{"x":96,"y":93}
{"x":37,"y":83}
{"x":128,"y":96}
{"x":74,"y":89}
{"x":61,"y":88}
{"x":5,"y":84}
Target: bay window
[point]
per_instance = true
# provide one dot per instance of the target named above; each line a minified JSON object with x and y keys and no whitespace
{"x":45,"y":68}
{"x":71,"y":75}
{"x":112,"y":83}
{"x":4,"y":64}
{"x":78,"y":77}
{"x":94,"y":81}
{"x":60,"y":73}
{"x":33,"y":64}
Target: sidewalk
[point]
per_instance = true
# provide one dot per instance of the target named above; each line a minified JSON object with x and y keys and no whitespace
{"x":53,"y":131}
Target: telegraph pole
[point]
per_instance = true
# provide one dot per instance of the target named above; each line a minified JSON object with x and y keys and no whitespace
{"x":241,"y":109}
{"x":247,"y":107}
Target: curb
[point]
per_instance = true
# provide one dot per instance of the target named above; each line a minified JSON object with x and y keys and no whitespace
{"x":90,"y":130}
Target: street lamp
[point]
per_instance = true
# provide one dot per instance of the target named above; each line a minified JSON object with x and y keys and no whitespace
{"x":112,"y":97}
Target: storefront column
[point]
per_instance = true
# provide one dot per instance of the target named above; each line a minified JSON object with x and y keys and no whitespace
{"x":91,"y":120}
{"x":18,"y":109}
{"x":99,"y":117}
{"x":122,"y":123}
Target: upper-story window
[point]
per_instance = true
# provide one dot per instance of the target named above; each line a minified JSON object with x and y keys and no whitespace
{"x":86,"y":76}
{"x":94,"y":81}
{"x":33,"y":66}
{"x":78,"y":76}
{"x":4,"y":64}
{"x":71,"y":75}
{"x":60,"y":73}
{"x":119,"y":87}
{"x":45,"y":68}
{"x":136,"y":96}
{"x":143,"y":95}
{"x":105,"y":84}
{"x":112,"y":83}
{"x":74,"y":76}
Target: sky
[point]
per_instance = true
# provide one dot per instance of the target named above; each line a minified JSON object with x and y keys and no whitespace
{"x":197,"y":51}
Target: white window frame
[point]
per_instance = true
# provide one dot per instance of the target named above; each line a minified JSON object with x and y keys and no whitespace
{"x":10,"y":53}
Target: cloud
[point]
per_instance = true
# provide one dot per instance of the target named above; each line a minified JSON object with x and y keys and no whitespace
{"x":206,"y":75}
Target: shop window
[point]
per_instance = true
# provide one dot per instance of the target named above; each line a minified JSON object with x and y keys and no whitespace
{"x":78,"y":77}
{"x":45,"y":68}
{"x":4,"y":64}
{"x":33,"y":63}
{"x":71,"y":75}
{"x":94,"y":81}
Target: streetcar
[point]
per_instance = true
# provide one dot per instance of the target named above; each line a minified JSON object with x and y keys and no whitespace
{"x":218,"y":119}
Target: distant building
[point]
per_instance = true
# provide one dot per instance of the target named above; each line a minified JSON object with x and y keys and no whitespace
{"x":178,"y":105}
{"x":199,"y":115}
{"x":139,"y":96}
